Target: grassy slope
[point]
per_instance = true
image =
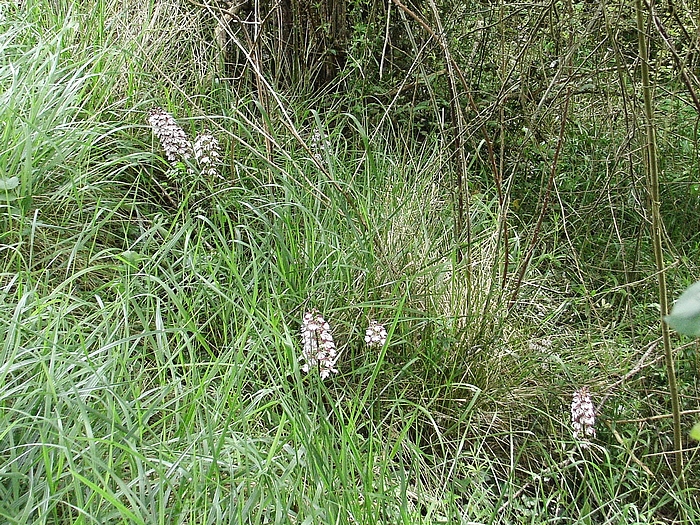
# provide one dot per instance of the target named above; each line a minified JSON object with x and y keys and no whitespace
{"x":149,"y":373}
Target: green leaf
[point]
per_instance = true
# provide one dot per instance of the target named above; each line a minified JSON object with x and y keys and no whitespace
{"x":9,"y":183}
{"x":130,"y":258}
{"x":685,"y":314}
{"x":695,"y":432}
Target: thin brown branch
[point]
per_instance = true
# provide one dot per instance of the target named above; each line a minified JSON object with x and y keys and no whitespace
{"x":545,"y":204}
{"x":657,"y":227}
{"x":687,"y":75}
{"x":631,"y":453}
{"x":454,"y":71}
{"x":655,"y":418}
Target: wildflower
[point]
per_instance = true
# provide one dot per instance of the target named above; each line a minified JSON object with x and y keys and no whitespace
{"x":375,"y":335}
{"x":319,"y":349}
{"x":318,"y":145}
{"x":583,"y":414}
{"x":207,"y":152}
{"x":171,"y":136}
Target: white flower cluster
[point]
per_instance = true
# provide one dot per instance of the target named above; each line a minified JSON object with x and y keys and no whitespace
{"x":178,"y":148}
{"x":583,"y":414}
{"x":318,"y":145}
{"x":375,"y":335}
{"x":207,"y":152}
{"x":319,"y":349}
{"x":171,"y":136}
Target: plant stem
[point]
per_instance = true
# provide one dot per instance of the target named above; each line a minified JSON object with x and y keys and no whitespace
{"x":653,"y":188}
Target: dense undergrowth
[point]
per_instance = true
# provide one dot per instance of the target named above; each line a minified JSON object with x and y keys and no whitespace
{"x":149,"y":369}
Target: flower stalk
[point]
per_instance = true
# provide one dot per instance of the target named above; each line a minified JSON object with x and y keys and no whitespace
{"x":319,"y":351}
{"x":583,"y":415}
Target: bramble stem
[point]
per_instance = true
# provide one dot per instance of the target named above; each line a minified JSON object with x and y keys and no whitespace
{"x":653,"y":188}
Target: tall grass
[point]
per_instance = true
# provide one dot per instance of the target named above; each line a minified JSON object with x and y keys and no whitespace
{"x":149,"y":367}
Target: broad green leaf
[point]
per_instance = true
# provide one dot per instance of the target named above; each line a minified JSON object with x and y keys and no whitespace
{"x":685,"y":314}
{"x":130,"y":258}
{"x":9,"y":183}
{"x":695,"y":432}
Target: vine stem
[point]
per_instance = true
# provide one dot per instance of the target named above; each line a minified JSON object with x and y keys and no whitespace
{"x":657,"y":224}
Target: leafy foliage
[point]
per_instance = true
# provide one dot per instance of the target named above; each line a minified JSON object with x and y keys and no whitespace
{"x":685,"y":315}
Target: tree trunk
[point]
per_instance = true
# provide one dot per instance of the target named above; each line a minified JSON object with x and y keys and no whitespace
{"x":313,"y":39}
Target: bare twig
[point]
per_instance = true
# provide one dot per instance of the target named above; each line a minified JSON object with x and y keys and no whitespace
{"x":631,"y":453}
{"x":545,"y":204}
{"x":657,"y":226}
{"x":689,"y":78}
{"x":658,"y":417}
{"x":456,"y":72}
{"x":641,"y":365}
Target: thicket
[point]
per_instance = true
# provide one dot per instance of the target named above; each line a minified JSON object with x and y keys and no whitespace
{"x":473,"y":178}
